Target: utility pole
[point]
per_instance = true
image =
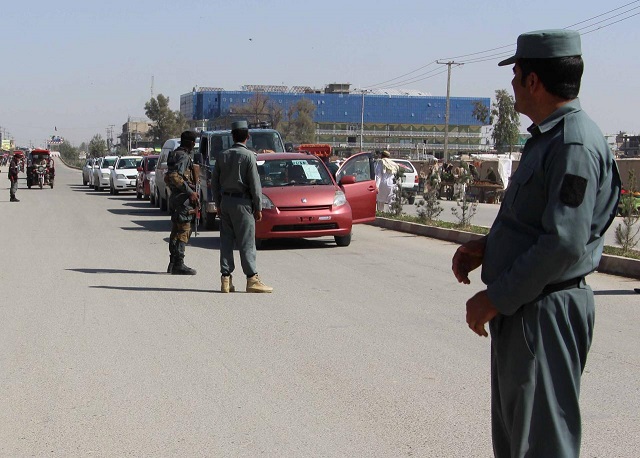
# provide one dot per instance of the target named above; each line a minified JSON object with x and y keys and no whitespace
{"x":128,"y":134}
{"x":446,"y":116}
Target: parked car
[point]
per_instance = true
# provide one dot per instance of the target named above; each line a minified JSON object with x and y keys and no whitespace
{"x":86,"y":171}
{"x":410,"y":180}
{"x":124,"y":174}
{"x":102,"y":173}
{"x":146,"y":171}
{"x":300,"y":197}
{"x":261,"y":139}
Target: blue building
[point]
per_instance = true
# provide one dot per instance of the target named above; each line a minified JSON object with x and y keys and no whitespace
{"x":408,"y":122}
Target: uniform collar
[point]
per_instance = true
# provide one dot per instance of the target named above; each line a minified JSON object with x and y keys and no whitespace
{"x":240,"y":144}
{"x":554,"y":118}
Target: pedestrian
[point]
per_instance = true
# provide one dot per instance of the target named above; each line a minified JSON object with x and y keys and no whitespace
{"x":547,"y":236}
{"x":237,"y":193}
{"x":14,"y":168}
{"x":181,"y":178}
{"x":386,"y":185}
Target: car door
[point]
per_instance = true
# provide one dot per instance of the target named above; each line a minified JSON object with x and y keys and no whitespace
{"x":361,"y":195}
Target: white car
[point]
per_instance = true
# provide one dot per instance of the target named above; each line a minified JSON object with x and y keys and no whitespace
{"x":410,"y":180}
{"x":102,"y":173}
{"x":124,"y":174}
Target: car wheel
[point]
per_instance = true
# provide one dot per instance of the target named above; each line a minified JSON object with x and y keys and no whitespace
{"x":115,"y":191}
{"x":344,"y":240}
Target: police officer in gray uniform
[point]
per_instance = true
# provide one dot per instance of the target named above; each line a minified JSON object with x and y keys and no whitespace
{"x":237,"y":192}
{"x":548,"y":235}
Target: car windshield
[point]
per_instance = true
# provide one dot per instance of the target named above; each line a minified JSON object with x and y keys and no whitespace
{"x":151,"y":163}
{"x":38,"y":157}
{"x":293,"y":172}
{"x":108,"y":163}
{"x":265,"y":141}
{"x":406,"y":168}
{"x":129,"y":163}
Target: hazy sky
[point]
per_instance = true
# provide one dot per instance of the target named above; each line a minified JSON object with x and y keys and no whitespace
{"x":82,"y":66}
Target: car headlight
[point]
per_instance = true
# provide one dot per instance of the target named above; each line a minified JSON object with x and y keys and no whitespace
{"x":339,"y":199}
{"x":119,"y":176}
{"x":105,"y":175}
{"x":266,"y":203}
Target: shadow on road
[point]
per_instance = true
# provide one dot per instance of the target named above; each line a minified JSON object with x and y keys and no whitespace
{"x":292,"y":244}
{"x":150,"y":225}
{"x":116,"y":271}
{"x":130,"y":211}
{"x":145,"y":289}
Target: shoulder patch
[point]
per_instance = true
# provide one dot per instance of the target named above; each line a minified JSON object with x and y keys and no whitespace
{"x":572,"y":190}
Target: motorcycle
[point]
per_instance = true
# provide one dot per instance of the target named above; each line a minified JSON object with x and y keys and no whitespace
{"x":42,"y":171}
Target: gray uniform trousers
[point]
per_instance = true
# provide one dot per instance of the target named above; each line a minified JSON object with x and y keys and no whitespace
{"x":13,"y":188}
{"x":237,"y":225}
{"x":537,"y":358}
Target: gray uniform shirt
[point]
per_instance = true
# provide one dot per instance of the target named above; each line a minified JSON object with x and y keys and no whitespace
{"x":236,"y":171}
{"x":561,"y":200}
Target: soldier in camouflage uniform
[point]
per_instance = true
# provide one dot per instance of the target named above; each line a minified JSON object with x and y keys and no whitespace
{"x":181,"y":178}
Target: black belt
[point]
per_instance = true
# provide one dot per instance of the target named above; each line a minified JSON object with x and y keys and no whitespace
{"x":567,"y":284}
{"x":236,"y":194}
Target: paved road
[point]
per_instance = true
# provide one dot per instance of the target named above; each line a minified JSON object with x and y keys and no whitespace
{"x":486,"y":213}
{"x":360,"y":351}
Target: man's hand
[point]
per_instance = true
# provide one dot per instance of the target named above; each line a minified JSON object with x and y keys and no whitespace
{"x":193,"y":197}
{"x":467,"y":258}
{"x":480,"y":311}
{"x":257,"y":215}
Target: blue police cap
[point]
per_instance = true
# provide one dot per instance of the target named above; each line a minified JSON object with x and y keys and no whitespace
{"x":546,"y":44}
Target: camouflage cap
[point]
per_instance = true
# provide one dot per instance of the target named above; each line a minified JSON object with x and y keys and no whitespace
{"x":546,"y":44}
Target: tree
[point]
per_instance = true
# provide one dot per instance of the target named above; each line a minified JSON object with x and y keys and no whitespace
{"x":299,"y":126}
{"x":627,"y":233}
{"x":68,"y":152}
{"x":507,"y":121}
{"x":97,"y":146}
{"x":481,"y":113}
{"x":260,"y":108}
{"x":167,"y":123}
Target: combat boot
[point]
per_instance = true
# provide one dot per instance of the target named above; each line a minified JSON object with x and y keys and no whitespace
{"x":179,"y":268}
{"x":173,"y":247}
{"x":226,"y":284}
{"x":255,"y":285}
{"x":13,"y":199}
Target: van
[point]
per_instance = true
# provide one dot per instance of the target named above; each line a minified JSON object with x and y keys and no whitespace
{"x":161,"y":192}
{"x":216,"y":141}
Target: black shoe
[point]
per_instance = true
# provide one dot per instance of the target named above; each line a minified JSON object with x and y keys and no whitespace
{"x":13,"y":199}
{"x":181,"y":269}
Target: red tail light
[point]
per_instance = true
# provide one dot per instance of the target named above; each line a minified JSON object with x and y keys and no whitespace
{"x":416,"y":181}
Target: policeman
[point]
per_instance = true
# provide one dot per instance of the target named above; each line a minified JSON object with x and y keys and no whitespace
{"x":237,"y":192}
{"x":548,"y":235}
{"x":181,"y":178}
{"x":14,"y":168}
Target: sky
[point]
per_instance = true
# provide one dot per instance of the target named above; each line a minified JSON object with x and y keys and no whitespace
{"x":82,"y":66}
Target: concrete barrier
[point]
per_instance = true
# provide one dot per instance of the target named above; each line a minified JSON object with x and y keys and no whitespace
{"x":609,"y":264}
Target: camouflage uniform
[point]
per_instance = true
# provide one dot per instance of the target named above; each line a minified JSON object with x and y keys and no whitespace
{"x":181,"y":179}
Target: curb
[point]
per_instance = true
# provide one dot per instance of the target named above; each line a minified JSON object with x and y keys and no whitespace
{"x":609,"y":264}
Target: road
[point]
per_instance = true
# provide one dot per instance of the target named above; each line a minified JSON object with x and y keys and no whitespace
{"x":360,"y":351}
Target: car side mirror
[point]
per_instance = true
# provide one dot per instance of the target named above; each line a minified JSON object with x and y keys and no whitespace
{"x":288,"y":147}
{"x":140,"y":169}
{"x":348,"y":179}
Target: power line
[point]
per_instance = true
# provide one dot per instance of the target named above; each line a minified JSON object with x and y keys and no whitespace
{"x":483,"y":56}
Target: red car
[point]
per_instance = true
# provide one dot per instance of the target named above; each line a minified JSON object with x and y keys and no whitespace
{"x":300,"y":197}
{"x":146,"y":173}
